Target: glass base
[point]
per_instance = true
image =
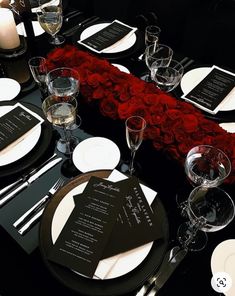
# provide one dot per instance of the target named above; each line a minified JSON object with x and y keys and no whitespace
{"x":67,"y":147}
{"x":57,"y":40}
{"x":190,"y":241}
{"x":68,"y":169}
{"x":124,"y":168}
{"x":146,"y":77}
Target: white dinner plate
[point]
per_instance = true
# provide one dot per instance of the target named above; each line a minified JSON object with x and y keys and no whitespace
{"x":121,"y":264}
{"x":121,"y":68}
{"x":22,"y":148}
{"x":193,"y":77}
{"x":121,"y":46}
{"x":228,"y":126}
{"x":223,"y":260}
{"x":9,"y":89}
{"x":96,"y":153}
{"x":38,"y":30}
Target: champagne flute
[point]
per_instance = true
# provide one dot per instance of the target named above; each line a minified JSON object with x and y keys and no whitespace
{"x":152,"y":33}
{"x":61,"y":114}
{"x":37,"y":66}
{"x":135,"y":126}
{"x":209,"y":209}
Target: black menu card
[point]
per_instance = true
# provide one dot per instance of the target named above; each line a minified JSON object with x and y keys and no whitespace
{"x":82,"y":240}
{"x":15,"y":124}
{"x":211,"y":92}
{"x":108,"y":36}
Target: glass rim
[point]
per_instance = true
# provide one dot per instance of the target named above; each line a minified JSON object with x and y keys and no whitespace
{"x":139,"y":117}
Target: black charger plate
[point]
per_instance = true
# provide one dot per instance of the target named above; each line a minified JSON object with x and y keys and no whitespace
{"x":40,"y":149}
{"x":110,"y":287}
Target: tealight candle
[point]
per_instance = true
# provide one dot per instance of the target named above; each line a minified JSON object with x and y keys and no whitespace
{"x":9,"y":37}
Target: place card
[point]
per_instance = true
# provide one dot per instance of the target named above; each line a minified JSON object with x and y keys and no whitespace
{"x":212,"y":91}
{"x":81,"y":242}
{"x":108,"y":36}
{"x":15,"y":125}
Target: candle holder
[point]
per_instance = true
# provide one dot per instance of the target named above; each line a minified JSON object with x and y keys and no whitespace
{"x":14,"y":52}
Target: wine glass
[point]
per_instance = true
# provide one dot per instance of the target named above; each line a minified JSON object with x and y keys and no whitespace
{"x":135,"y":126}
{"x":204,"y":165}
{"x":63,"y":82}
{"x":151,"y":35}
{"x":209,"y":209}
{"x":61,"y":114}
{"x":156,"y":52}
{"x":50,"y":18}
{"x":167,"y":77}
{"x":37,"y":66}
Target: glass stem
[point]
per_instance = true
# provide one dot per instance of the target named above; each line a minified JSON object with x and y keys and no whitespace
{"x":131,"y":167}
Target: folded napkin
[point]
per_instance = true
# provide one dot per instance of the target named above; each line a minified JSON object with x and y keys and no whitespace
{"x":16,"y":125}
{"x":109,"y":37}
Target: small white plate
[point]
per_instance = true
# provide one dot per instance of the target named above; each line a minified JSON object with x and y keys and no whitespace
{"x":228,"y":126}
{"x":193,"y":77}
{"x":22,"y":148}
{"x":121,"y":68}
{"x":38,"y":30}
{"x":9,"y":89}
{"x":223,"y":260}
{"x":124,"y":45}
{"x":96,"y":153}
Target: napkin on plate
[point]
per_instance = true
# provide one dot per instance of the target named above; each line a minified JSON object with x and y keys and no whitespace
{"x":100,"y":41}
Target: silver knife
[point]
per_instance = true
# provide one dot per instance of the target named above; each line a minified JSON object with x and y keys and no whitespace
{"x":168,"y":256}
{"x":8,"y":187}
{"x":34,"y":177}
{"x":167,"y":271}
{"x":71,"y":31}
{"x":24,"y":229}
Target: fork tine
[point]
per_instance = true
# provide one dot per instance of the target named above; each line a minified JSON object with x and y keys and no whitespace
{"x":59,"y":183}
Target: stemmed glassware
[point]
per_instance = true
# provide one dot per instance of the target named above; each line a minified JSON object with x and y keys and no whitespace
{"x":135,"y":126}
{"x":167,"y":77}
{"x":61,"y":114}
{"x":50,"y":18}
{"x":206,"y":166}
{"x":37,"y":66}
{"x":151,"y":35}
{"x":209,"y":209}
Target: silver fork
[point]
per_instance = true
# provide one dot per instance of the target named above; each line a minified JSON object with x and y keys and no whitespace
{"x":41,"y":203}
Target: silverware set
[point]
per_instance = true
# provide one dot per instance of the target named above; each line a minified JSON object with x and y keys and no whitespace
{"x":32,"y":216}
{"x":87,"y":21}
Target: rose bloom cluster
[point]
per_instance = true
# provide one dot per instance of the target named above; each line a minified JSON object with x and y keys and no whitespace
{"x":173,"y":126}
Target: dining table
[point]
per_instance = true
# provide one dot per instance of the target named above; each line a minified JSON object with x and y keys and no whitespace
{"x":24,"y":267}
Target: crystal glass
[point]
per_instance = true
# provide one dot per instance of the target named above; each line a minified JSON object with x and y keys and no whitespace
{"x":63,"y":82}
{"x":50,"y":18}
{"x":37,"y":66}
{"x":62,"y":114}
{"x":207,"y":165}
{"x":152,"y":34}
{"x":156,"y":52}
{"x":167,"y":77}
{"x":209,"y":209}
{"x":135,"y":126}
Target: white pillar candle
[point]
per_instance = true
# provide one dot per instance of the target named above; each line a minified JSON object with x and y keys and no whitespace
{"x":9,"y":37}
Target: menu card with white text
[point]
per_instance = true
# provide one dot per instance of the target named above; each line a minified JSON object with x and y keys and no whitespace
{"x":212,"y":91}
{"x":15,"y":124}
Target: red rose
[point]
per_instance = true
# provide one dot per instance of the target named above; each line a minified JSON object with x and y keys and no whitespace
{"x":152,"y":132}
{"x":108,"y":107}
{"x":190,"y":123}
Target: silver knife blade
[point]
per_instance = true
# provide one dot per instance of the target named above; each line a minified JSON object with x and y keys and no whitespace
{"x":35,"y":176}
{"x":8,"y":187}
{"x":71,"y":31}
{"x":167,"y":271}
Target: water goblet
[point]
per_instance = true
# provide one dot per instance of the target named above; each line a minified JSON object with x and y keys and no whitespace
{"x":63,"y":82}
{"x":156,"y":52}
{"x":152,"y":34}
{"x":135,"y":126}
{"x":209,"y":209}
{"x":62,"y":114}
{"x":37,"y":66}
{"x":167,"y":76}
